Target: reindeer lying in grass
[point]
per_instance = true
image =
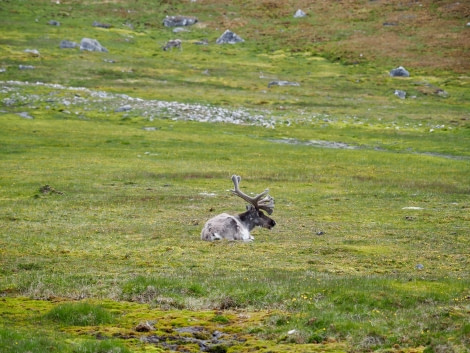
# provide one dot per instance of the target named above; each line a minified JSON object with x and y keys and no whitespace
{"x":225,"y":226}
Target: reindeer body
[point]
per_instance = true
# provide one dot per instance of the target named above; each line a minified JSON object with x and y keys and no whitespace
{"x":226,"y":226}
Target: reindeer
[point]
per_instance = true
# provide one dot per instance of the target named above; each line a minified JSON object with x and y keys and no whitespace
{"x":225,"y":226}
{"x":173,"y":43}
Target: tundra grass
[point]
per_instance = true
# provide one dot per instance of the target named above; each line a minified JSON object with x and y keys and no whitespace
{"x":101,"y":216}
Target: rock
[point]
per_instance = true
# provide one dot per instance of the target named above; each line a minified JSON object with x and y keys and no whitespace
{"x":92,"y":45}
{"x":202,"y":42}
{"x":67,"y":44}
{"x":283,"y":83}
{"x":54,"y":23}
{"x":178,"y":21}
{"x":144,"y":327}
{"x":400,"y":94}
{"x":25,"y":115}
{"x":228,"y":37}
{"x":399,"y":72}
{"x":299,"y":13}
{"x":441,"y":93}
{"x":124,"y":108}
{"x":101,"y":25}
{"x":26,"y":67}
{"x":419,"y":267}
{"x":2,"y":70}
{"x":390,"y":24}
{"x":33,"y":52}
{"x":179,"y":30}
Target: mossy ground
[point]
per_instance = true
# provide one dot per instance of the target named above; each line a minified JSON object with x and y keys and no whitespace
{"x":370,"y":251}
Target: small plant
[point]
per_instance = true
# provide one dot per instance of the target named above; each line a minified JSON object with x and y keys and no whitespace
{"x":80,"y":314}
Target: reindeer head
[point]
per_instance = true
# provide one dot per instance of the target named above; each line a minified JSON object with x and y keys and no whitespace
{"x":254,"y":216}
{"x":257,"y":218}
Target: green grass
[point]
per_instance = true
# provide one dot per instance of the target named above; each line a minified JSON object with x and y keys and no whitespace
{"x":79,"y":314}
{"x":113,"y":240}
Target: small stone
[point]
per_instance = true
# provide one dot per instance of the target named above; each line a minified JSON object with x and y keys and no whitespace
{"x":178,"y":21}
{"x":228,"y":37}
{"x":299,"y":13}
{"x":124,"y":108}
{"x":26,"y":67}
{"x":25,"y":115}
{"x":92,"y":45}
{"x":399,"y":72}
{"x":144,"y":327}
{"x":33,"y":52}
{"x":400,"y":94}
{"x":67,"y":44}
{"x":419,"y":267}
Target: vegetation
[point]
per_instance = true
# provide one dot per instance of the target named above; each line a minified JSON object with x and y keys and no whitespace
{"x":102,"y":208}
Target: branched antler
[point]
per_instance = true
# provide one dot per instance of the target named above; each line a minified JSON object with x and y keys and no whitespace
{"x":261,"y":201}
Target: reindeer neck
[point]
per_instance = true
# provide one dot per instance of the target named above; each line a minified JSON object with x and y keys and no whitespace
{"x":247,"y":220}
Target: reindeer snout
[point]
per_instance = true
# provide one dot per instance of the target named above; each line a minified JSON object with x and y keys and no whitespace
{"x":271,"y":224}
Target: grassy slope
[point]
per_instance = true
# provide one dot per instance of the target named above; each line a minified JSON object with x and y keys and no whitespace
{"x":134,"y":201}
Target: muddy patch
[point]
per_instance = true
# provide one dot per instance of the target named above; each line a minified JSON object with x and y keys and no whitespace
{"x":316,"y":143}
{"x":196,"y":336}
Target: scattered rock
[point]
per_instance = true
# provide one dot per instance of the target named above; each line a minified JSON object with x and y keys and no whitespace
{"x":399,"y":72}
{"x":291,"y":332}
{"x":54,"y":23}
{"x":390,"y":24}
{"x":92,"y":45}
{"x":283,"y":83}
{"x":228,"y":37}
{"x":320,"y":232}
{"x":26,"y":67}
{"x":101,"y":25}
{"x":419,"y":267}
{"x":412,"y":208}
{"x":299,"y":13}
{"x":2,"y":69}
{"x":216,"y":341}
{"x":67,"y":44}
{"x":400,"y":94}
{"x":178,"y":21}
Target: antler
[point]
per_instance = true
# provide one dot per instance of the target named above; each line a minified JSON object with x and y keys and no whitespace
{"x":261,"y":201}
